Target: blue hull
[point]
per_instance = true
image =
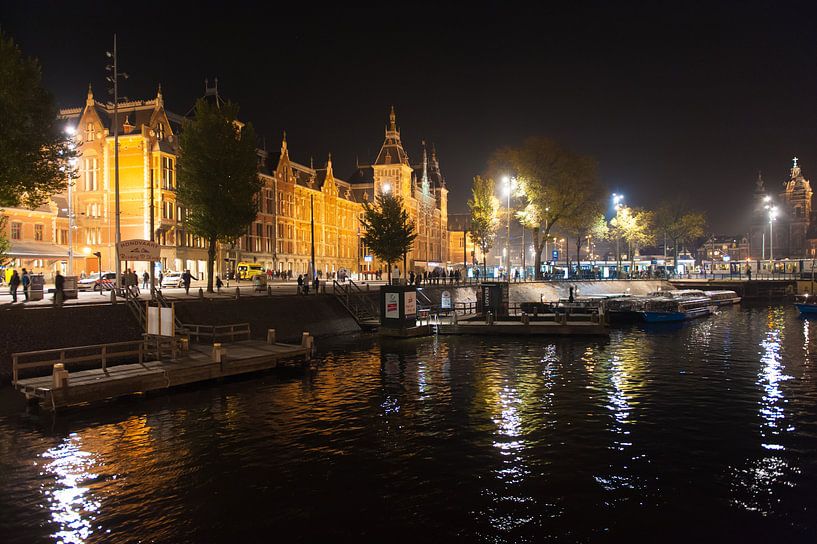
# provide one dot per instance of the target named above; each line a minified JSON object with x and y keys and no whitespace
{"x":663,"y":317}
{"x":807,"y":309}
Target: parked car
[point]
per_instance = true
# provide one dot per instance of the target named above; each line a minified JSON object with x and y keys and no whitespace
{"x":172,"y":279}
{"x":96,"y":283}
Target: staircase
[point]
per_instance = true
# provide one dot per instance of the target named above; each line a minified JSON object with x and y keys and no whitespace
{"x":358,"y":302}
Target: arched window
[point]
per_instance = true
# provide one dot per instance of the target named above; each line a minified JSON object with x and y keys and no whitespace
{"x":89,"y":132}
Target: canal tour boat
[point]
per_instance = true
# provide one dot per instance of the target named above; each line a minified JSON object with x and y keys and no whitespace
{"x":669,"y":309}
{"x":806,"y":305}
{"x":723,"y":298}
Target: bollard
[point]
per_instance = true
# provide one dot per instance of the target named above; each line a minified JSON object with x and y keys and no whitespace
{"x":237,"y":293}
{"x":184,"y":343}
{"x":489,"y":318}
{"x":201,"y":293}
{"x":270,"y":336}
{"x":308,"y":342}
{"x":59,"y":376}
{"x":525,"y":319}
{"x":269,"y":290}
{"x":113,"y":296}
{"x":218,"y":352}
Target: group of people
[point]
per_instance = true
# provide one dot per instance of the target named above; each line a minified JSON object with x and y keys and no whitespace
{"x":435,"y":277}
{"x":17,"y":280}
{"x":303,"y":284}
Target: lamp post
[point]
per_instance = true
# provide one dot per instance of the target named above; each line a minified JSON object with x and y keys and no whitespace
{"x":772,"y":217}
{"x":508,"y":190}
{"x":114,"y":79}
{"x":617,"y":198}
{"x":70,"y":130}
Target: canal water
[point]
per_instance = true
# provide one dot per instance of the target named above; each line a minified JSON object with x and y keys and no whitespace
{"x":706,"y":431}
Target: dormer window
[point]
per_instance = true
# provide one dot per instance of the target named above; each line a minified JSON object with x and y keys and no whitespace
{"x":160,"y":131}
{"x":89,"y":132}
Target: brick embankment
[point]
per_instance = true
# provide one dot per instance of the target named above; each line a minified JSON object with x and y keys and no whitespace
{"x":290,"y":316}
{"x":37,"y":328}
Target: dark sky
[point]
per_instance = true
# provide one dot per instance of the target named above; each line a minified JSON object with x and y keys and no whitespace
{"x":671,"y":98}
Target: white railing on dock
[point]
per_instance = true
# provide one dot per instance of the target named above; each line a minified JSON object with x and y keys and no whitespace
{"x":99,"y":353}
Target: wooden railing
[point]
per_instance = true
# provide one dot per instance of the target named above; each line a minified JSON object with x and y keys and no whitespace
{"x":217,"y":332}
{"x":99,"y":353}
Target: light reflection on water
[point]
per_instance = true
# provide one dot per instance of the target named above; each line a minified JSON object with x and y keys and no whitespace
{"x":68,"y":470}
{"x":466,"y":439}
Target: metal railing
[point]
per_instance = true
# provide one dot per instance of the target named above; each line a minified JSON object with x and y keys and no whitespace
{"x":99,"y":353}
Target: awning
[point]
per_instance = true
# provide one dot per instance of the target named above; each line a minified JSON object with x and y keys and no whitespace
{"x":37,"y":250}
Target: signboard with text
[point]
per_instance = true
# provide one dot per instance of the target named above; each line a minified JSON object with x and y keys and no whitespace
{"x":392,"y":305}
{"x":139,"y":250}
{"x":555,"y":254}
{"x":411,"y":303}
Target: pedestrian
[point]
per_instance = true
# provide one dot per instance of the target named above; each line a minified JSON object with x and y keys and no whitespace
{"x":26,"y":280}
{"x":145,"y":279}
{"x":316,"y":284}
{"x":187,"y":277}
{"x":749,"y":271}
{"x":219,"y":284}
{"x":161,"y":279}
{"x":14,"y":283}
{"x":411,"y":277}
{"x":59,"y":289}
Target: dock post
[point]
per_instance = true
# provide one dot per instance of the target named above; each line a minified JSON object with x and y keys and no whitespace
{"x":269,"y":290}
{"x":308,"y":342}
{"x":270,"y":336}
{"x":237,"y":293}
{"x":113,"y":296}
{"x":59,"y":376}
{"x":201,"y":293}
{"x":217,"y":352}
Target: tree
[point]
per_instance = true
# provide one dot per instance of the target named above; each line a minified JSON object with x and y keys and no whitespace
{"x":4,"y":243}
{"x":582,"y":223}
{"x":484,"y":206}
{"x":34,"y":163}
{"x":555,"y":183}
{"x":389,"y":232}
{"x":678,"y":224}
{"x":218,"y":176}
{"x":635,"y":227}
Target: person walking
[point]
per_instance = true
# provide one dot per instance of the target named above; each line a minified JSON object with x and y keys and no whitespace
{"x":749,"y":271}
{"x":145,"y":279}
{"x":219,"y":284}
{"x":26,"y":281}
{"x":300,"y":283}
{"x":316,"y":284}
{"x":161,"y":279}
{"x":187,"y":277}
{"x":14,"y":283}
{"x":59,"y":289}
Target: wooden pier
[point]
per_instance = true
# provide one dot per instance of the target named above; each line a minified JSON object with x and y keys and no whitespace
{"x":516,"y":328}
{"x":198,"y":363}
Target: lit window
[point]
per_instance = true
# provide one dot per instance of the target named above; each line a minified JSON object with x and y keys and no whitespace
{"x":89,"y":132}
{"x":38,"y":233}
{"x":91,"y":174}
{"x":16,"y":231}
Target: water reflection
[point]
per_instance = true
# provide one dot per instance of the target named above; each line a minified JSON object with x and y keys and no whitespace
{"x":69,"y":500}
{"x":758,"y":483}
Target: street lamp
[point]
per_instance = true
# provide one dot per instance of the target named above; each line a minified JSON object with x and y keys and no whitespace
{"x":772,"y":217}
{"x":508,"y":189}
{"x":70,"y":131}
{"x":617,"y":199}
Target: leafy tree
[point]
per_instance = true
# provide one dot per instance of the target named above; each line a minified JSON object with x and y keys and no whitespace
{"x":5,"y":245}
{"x":34,"y":162}
{"x":635,"y":227}
{"x":484,"y":206}
{"x":389,"y":232}
{"x":583,"y":222}
{"x":555,"y":183}
{"x":678,"y":224}
{"x":218,"y":176}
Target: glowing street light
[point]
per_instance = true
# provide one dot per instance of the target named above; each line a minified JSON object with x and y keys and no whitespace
{"x":386,"y":188}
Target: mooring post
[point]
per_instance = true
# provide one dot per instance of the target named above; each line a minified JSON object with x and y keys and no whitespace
{"x":113,"y":296}
{"x":270,"y":336}
{"x":201,"y":293}
{"x":237,"y":293}
{"x":269,"y":290}
{"x":217,"y":352}
{"x":308,"y":342}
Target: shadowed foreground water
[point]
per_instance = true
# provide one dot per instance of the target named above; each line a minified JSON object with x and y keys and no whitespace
{"x":706,"y":431}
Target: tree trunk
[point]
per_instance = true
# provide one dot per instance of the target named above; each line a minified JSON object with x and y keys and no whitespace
{"x":537,"y":248}
{"x":578,"y":253}
{"x":388,"y":271}
{"x":211,"y":259}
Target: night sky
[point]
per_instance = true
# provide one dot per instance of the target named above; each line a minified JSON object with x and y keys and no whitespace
{"x":672,"y":98}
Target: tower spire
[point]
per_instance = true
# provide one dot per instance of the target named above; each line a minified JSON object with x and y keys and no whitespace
{"x":159,"y":99}
{"x":89,"y":101}
{"x":393,"y":121}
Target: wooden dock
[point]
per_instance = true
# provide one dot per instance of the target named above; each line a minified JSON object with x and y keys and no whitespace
{"x":197,"y":364}
{"x":516,"y":328}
